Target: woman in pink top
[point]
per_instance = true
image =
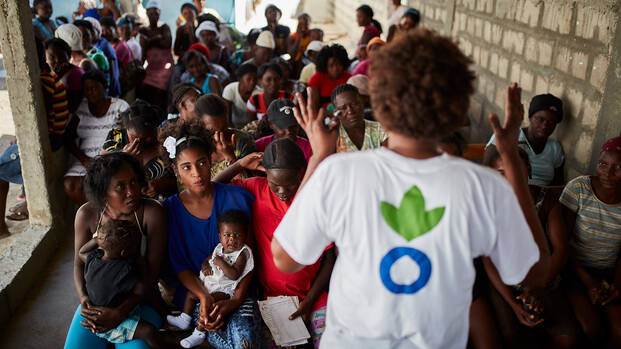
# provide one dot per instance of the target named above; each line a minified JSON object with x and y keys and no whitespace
{"x":283,"y":123}
{"x":108,"y":31}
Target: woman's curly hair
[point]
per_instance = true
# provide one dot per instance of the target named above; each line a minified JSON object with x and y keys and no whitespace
{"x":421,"y":85}
{"x":197,"y":136}
{"x":101,"y":171}
{"x":337,"y":51}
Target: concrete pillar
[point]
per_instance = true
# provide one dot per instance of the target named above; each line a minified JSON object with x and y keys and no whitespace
{"x":21,"y":64}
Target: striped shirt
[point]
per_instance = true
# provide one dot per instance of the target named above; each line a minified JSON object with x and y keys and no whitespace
{"x":58,"y":112}
{"x":596,"y":238}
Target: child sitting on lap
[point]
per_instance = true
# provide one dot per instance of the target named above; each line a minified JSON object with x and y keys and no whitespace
{"x":230,"y":261}
{"x":111,"y":273}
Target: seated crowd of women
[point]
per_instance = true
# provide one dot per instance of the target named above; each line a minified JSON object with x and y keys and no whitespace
{"x":181,"y":189}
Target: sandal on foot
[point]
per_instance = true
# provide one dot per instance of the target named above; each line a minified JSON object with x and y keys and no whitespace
{"x":18,"y":207}
{"x":18,"y":216}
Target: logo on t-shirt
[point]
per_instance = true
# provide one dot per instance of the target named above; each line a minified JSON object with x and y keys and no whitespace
{"x":410,"y":220}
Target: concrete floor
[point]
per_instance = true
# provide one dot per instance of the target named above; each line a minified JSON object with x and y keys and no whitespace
{"x":45,"y":315}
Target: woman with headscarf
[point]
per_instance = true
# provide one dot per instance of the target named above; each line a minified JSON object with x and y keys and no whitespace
{"x":156,"y":42}
{"x":71,"y":34}
{"x":207,"y":32}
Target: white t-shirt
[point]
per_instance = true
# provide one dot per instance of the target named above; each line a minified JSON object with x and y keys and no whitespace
{"x":240,"y":114}
{"x":377,"y":298}
{"x":543,"y":164}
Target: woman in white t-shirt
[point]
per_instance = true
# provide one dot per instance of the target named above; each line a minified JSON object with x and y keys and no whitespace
{"x":238,"y":93}
{"x":87,"y":130}
{"x":545,"y":154}
{"x":408,"y":200}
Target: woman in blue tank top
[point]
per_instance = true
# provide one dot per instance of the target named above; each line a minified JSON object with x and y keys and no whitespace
{"x":196,"y":64}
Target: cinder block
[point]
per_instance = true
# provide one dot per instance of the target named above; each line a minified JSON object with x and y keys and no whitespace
{"x":490,"y":90}
{"x":485,"y":6}
{"x":476,"y":50}
{"x":599,"y":71}
{"x":503,"y":67}
{"x":484,"y":58}
{"x":470,"y":25}
{"x":478,"y":27}
{"x":515,"y":72}
{"x":542,"y":85}
{"x":557,"y":15}
{"x":590,"y":112}
{"x":487,"y":31}
{"x":501,"y":97}
{"x":563,"y":59}
{"x":596,"y":22}
{"x":582,"y":149}
{"x":497,"y":31}
{"x":574,"y":101}
{"x":466,"y":46}
{"x":545,"y":52}
{"x":532,"y":49}
{"x":493,"y":63}
{"x":557,"y":87}
{"x":579,"y":64}
{"x":505,"y":10}
{"x":526,"y":79}
{"x":528,"y":11}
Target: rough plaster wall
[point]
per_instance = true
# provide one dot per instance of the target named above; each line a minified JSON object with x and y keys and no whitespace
{"x":556,"y":46}
{"x":21,"y":263}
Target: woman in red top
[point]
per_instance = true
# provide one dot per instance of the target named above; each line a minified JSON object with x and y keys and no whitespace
{"x":283,"y":162}
{"x":332,"y":63}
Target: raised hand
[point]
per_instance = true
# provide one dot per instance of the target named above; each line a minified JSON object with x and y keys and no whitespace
{"x":507,"y":135}
{"x":224,"y":146}
{"x":252,"y":162}
{"x":322,"y":140}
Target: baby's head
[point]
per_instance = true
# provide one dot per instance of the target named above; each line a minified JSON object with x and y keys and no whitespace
{"x":233,"y":227}
{"x":118,"y":239}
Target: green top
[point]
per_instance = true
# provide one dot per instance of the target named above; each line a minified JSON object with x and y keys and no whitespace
{"x":374,"y":135}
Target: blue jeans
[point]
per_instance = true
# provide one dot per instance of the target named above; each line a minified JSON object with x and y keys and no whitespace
{"x":242,"y":329}
{"x":79,"y":337}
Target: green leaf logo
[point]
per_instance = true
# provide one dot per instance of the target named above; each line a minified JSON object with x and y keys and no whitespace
{"x":411,"y":220}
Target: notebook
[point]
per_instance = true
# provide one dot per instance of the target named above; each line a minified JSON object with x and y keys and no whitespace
{"x":275,"y":312}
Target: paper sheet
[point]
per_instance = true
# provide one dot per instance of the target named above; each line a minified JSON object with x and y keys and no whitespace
{"x":275,"y":312}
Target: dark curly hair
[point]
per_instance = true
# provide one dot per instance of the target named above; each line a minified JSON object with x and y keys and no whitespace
{"x":421,"y":85}
{"x":197,"y":136}
{"x":234,"y":216}
{"x":86,"y":24}
{"x":142,"y":116}
{"x":101,"y":171}
{"x":212,"y":105}
{"x":337,"y":51}
{"x":118,"y":234}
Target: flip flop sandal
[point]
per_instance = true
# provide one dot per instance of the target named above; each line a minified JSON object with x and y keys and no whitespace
{"x":17,"y":207}
{"x":18,"y":216}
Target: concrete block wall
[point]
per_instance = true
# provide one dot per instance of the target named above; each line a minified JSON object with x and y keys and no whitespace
{"x":567,"y":48}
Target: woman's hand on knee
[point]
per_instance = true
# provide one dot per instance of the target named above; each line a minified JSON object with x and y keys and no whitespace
{"x":102,"y":319}
{"x":213,"y":322}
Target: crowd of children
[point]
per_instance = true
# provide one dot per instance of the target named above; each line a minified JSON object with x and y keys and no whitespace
{"x":207,"y":179}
